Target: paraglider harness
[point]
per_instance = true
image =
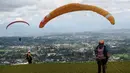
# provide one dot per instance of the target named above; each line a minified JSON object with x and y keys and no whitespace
{"x":29,"y":58}
{"x":104,"y":53}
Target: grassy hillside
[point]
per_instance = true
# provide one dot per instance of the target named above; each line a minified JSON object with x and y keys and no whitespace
{"x":113,"y":67}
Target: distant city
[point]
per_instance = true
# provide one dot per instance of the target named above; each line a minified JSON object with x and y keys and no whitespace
{"x":67,"y":47}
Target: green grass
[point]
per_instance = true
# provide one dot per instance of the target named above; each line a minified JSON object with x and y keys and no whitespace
{"x":113,"y":67}
{"x":4,"y":50}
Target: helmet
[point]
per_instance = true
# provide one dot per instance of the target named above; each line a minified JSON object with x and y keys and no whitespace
{"x":101,"y":42}
{"x":28,"y":51}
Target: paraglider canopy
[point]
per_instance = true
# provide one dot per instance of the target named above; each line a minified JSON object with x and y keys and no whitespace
{"x":18,"y":20}
{"x":76,"y":7}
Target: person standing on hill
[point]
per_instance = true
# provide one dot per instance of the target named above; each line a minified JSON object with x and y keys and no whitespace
{"x":29,"y":57}
{"x":102,"y":56}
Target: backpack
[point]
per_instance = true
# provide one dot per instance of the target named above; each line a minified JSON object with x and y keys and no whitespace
{"x":101,"y":52}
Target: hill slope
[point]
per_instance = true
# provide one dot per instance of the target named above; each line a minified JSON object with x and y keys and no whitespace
{"x":113,"y":67}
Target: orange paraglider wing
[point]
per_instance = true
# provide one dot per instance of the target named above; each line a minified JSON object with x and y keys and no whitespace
{"x":16,"y":22}
{"x":76,"y":7}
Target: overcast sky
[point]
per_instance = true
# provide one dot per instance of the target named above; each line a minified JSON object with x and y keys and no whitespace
{"x":33,"y":11}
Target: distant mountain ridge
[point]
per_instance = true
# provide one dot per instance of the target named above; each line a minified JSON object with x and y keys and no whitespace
{"x":115,"y":31}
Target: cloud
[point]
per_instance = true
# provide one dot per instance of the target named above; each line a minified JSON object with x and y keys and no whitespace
{"x":19,"y":19}
{"x":111,"y":5}
{"x":33,"y":11}
{"x":120,"y":11}
{"x":10,"y":5}
{"x":63,"y":2}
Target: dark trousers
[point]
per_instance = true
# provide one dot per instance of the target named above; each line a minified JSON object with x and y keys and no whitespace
{"x":102,"y":65}
{"x":29,"y":61}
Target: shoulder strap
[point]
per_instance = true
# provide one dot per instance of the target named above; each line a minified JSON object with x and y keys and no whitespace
{"x":105,"y":48}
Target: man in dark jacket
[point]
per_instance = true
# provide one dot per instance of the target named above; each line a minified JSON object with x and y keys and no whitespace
{"x":102,"y":56}
{"x":29,"y":58}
